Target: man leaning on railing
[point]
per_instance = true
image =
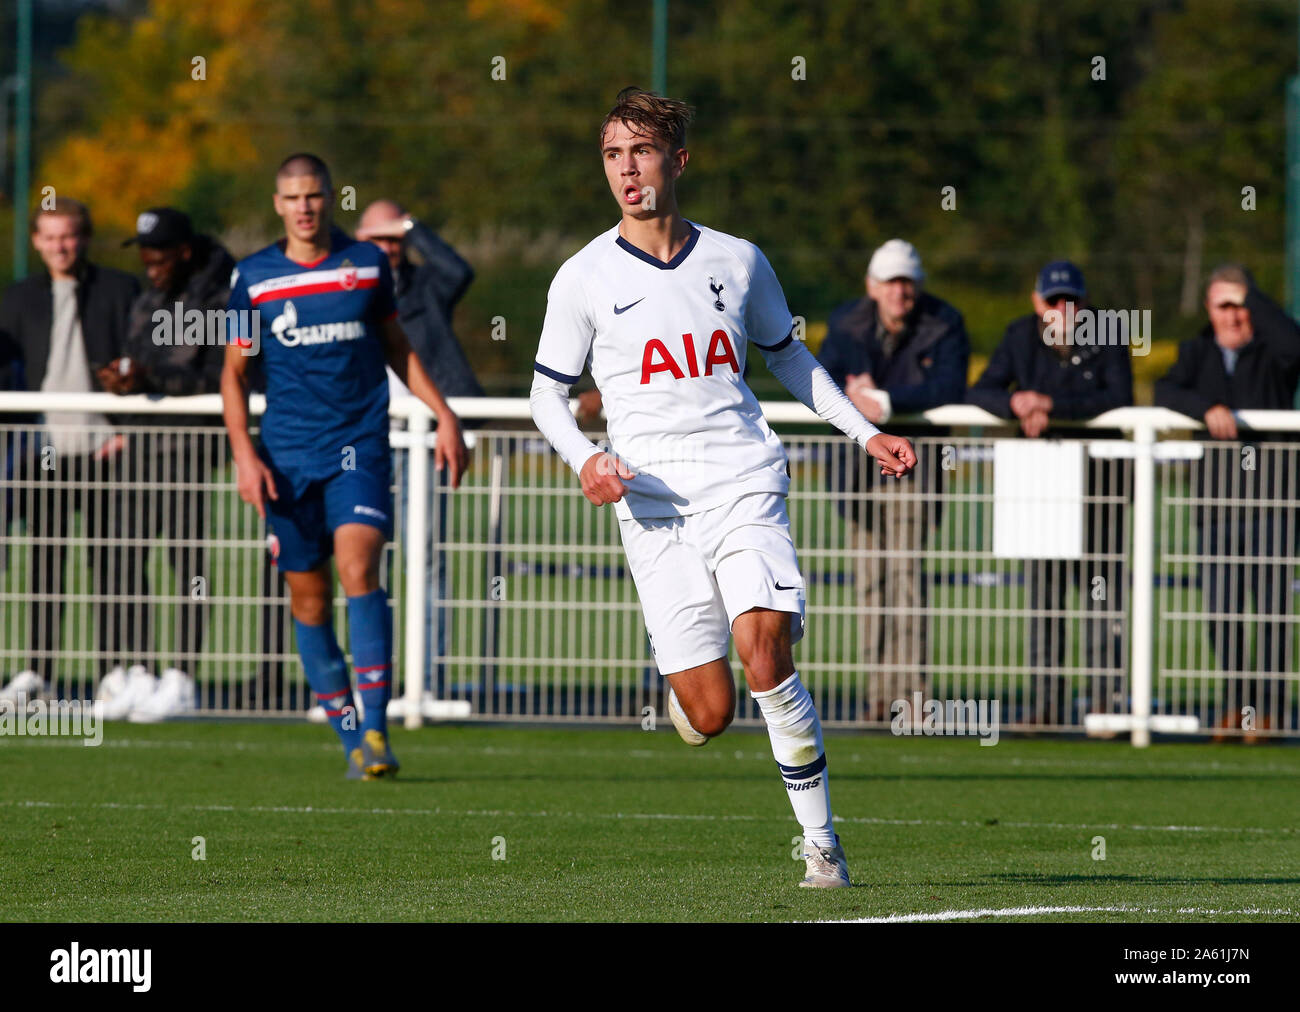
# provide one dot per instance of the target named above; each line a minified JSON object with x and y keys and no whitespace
{"x":904,"y":350}
{"x":1038,"y":374}
{"x":1247,"y":356}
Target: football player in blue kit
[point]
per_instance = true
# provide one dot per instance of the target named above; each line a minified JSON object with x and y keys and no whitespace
{"x":326,"y":327}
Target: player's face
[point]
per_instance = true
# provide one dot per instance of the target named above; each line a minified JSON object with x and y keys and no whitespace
{"x":303,"y":204}
{"x":59,"y":242}
{"x":641,"y":171}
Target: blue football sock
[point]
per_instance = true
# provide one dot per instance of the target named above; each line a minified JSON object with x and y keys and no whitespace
{"x":327,"y":674}
{"x":370,"y":632}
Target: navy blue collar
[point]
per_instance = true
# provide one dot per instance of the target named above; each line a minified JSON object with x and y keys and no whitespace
{"x":676,"y":261}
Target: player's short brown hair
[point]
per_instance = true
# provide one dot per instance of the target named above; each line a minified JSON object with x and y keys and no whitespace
{"x":650,"y":114}
{"x":303,"y":163}
{"x":65,"y":207}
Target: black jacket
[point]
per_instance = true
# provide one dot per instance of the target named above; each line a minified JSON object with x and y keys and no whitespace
{"x":1090,"y":380}
{"x":181,"y":369}
{"x":426,"y":296}
{"x":927,"y":370}
{"x":1265,"y":377}
{"x":27,"y":312}
{"x":104,"y":299}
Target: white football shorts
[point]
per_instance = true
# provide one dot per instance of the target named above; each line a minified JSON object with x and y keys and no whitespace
{"x":696,"y":573}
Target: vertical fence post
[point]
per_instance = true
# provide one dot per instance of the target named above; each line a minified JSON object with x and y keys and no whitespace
{"x":485,"y":703}
{"x":1144,"y":528}
{"x":417,"y":525}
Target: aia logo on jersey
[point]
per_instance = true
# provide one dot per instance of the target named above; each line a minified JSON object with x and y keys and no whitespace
{"x":347,"y":276}
{"x":657,"y":357}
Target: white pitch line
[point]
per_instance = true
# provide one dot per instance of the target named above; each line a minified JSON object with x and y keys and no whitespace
{"x":1135,"y":765}
{"x":970,"y":915}
{"x":629,"y":816}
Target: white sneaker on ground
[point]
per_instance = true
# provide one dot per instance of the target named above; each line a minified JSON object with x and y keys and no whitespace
{"x":120,"y":692}
{"x":827,"y":867}
{"x":173,"y":696}
{"x":682,"y":723}
{"x":113,"y":695}
{"x":26,"y":685}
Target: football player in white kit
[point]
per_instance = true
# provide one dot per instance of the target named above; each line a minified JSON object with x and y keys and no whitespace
{"x":663,"y":310}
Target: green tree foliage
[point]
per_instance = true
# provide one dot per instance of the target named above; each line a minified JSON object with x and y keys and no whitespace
{"x":823,"y":129}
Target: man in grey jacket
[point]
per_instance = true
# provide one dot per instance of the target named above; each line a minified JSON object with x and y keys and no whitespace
{"x":426,"y":295}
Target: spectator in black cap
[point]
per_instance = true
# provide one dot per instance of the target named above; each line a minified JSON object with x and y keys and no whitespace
{"x":1246,"y":356}
{"x":172,"y":456}
{"x":1039,"y":373}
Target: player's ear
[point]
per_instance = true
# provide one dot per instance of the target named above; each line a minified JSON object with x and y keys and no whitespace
{"x":679,"y":161}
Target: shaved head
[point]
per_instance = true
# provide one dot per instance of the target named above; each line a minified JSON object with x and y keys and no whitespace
{"x":379,"y":211}
{"x":304,"y":164}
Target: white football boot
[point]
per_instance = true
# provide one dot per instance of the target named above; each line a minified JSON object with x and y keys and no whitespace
{"x":682,"y":723}
{"x":173,"y":696}
{"x":828,"y":868}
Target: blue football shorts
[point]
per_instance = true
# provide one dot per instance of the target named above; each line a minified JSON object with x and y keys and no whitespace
{"x":303,"y":520}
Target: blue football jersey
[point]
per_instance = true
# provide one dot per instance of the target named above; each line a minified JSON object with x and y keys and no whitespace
{"x":326,"y":386}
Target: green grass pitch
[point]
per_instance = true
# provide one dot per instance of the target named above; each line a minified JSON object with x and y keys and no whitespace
{"x":559,"y":824}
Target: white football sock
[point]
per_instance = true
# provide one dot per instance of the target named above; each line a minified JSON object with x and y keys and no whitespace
{"x":796,"y":734}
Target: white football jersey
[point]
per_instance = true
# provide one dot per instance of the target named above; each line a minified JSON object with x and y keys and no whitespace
{"x":666,"y":345}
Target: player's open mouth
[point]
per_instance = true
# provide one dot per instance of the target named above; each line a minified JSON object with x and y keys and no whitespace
{"x":631,"y":194}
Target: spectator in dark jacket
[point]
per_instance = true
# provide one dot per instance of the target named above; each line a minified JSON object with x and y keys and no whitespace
{"x":1039,"y":373}
{"x":66,"y":323}
{"x":172,"y":457}
{"x":426,"y":296}
{"x":12,"y":443}
{"x":903,"y":347}
{"x":1248,"y":356}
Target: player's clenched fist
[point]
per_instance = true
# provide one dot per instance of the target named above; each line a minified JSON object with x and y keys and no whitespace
{"x":255,"y":481}
{"x":602,"y":478}
{"x":894,"y":453}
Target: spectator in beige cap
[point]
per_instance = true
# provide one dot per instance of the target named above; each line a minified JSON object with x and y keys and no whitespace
{"x":899,"y":350}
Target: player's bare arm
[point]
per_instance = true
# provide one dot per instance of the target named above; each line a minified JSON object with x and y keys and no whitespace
{"x":449,"y":446}
{"x":254,"y":479}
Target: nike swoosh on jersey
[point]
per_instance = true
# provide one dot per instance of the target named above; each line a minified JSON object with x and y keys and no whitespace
{"x":624,"y":309}
{"x":779,"y":587}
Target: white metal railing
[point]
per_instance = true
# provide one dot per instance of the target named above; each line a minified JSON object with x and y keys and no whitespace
{"x":541,"y":621}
